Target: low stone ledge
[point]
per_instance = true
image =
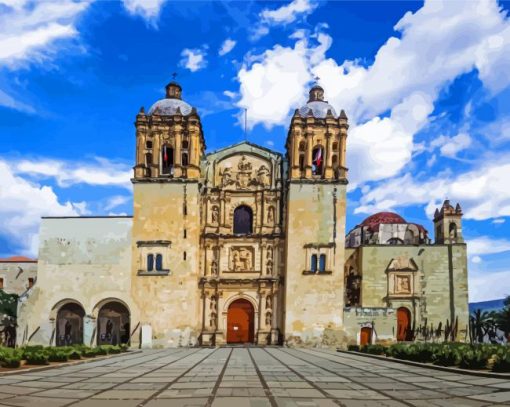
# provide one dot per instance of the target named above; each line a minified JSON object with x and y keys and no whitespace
{"x":481,"y":373}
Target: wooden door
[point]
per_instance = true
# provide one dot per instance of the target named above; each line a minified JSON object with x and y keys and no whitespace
{"x":403,"y":324}
{"x":240,"y":322}
{"x":365,"y":336}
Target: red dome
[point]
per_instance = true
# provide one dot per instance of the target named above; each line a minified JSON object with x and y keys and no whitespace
{"x":373,"y":222}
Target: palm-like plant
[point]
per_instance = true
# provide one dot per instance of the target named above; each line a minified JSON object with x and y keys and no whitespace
{"x":503,"y":318}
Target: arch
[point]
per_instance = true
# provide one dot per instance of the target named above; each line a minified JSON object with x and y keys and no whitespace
{"x":313,"y":263}
{"x":409,"y":237}
{"x":159,"y":262}
{"x":365,"y":336}
{"x":148,"y":144}
{"x":184,"y":159}
{"x":404,"y":332}
{"x":243,"y":220}
{"x":113,"y":323}
{"x":167,"y":159}
{"x":452,"y":230}
{"x":148,"y":159}
{"x":69,"y":324}
{"x":322,"y":263}
{"x":150,"y":262}
{"x":240,"y":321}
{"x":394,"y":241}
{"x":317,"y":160}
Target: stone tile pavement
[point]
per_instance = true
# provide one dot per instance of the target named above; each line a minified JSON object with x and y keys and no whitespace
{"x":248,"y":377}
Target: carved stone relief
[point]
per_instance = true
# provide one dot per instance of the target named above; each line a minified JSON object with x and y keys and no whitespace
{"x":241,"y":258}
{"x":403,"y":284}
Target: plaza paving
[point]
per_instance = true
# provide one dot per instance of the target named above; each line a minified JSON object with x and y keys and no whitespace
{"x":253,"y":376}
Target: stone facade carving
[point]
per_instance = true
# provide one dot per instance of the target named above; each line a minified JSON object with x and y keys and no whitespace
{"x":241,"y":259}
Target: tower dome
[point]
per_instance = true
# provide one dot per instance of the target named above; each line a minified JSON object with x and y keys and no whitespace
{"x":316,"y":105}
{"x":172,"y":104}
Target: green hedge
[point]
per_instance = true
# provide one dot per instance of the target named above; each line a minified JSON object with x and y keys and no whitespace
{"x":482,"y":356}
{"x":40,"y":355}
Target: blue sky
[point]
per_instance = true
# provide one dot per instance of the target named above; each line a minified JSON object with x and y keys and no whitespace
{"x":425,"y":86}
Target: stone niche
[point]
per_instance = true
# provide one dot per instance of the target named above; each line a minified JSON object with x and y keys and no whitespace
{"x":243,"y":172}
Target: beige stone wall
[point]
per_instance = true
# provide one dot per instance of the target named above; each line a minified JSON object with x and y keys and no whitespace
{"x":166,"y":220}
{"x":15,"y":275}
{"x":430,"y":297}
{"x":81,"y":260}
{"x":383,"y":322}
{"x":315,"y":224}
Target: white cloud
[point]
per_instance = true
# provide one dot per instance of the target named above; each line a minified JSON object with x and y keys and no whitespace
{"x":274,"y":83}
{"x":193,"y":59}
{"x":29,"y":31}
{"x":450,"y":146}
{"x":227,"y":46}
{"x":483,"y":192}
{"x":147,"y":9}
{"x":288,"y":13}
{"x":230,"y":94}
{"x":489,"y":286}
{"x":435,"y":45}
{"x":498,"y":221}
{"x":23,"y":205}
{"x":116,"y":201}
{"x":100,"y":172}
{"x":476,"y":259}
{"x":486,"y":245}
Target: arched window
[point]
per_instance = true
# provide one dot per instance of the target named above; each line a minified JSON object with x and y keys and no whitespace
{"x":453,"y":230}
{"x":301,"y":162}
{"x":148,"y":144}
{"x":184,"y":159}
{"x":148,"y":159}
{"x":317,"y":160}
{"x":313,"y":263}
{"x":167,"y":159}
{"x":159,"y":262}
{"x":243,"y":220}
{"x":150,"y":262}
{"x":322,"y":263}
{"x":395,"y":241}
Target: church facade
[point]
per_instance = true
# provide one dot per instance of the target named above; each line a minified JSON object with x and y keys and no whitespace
{"x":243,"y":245}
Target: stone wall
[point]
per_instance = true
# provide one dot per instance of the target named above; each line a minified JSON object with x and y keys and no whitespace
{"x":85,"y":261}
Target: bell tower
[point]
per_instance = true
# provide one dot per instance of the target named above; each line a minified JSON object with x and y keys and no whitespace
{"x":315,"y":227}
{"x":448,"y":224}
{"x":169,"y":138}
{"x":166,"y":220}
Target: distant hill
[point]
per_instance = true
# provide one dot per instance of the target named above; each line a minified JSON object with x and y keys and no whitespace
{"x":492,"y":305}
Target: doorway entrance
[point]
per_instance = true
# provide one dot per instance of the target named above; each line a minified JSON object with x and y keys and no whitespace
{"x":365,"y":337}
{"x":113,"y":324}
{"x":240,"y":322}
{"x":403,"y":324}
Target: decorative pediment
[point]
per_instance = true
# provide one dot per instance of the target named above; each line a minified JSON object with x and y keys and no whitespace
{"x":402,"y":263}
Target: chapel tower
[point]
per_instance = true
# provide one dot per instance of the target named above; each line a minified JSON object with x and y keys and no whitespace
{"x":448,"y":224}
{"x":166,"y":220}
{"x":315,"y":227}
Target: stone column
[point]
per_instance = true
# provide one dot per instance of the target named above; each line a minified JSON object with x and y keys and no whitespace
{"x":89,"y":330}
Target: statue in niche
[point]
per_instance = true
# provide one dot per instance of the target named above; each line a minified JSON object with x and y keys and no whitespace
{"x":269,"y":253}
{"x":213,"y":307}
{"x":263,"y":176}
{"x":226,"y":177}
{"x":214,"y":268}
{"x":269,"y":302}
{"x":269,"y":267}
{"x":268,"y":319}
{"x":212,"y":321}
{"x":270,"y":214}
{"x":215,"y":214}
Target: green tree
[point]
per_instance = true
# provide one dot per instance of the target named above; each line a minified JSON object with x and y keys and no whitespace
{"x":503,"y":318}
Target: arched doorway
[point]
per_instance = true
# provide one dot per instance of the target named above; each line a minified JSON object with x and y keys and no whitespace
{"x":365,"y":337}
{"x":403,"y":324}
{"x":70,"y":324}
{"x":113,"y":326}
{"x":240,"y":322}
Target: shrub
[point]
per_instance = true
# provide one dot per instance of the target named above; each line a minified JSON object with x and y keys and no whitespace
{"x":374,"y":349}
{"x":473,"y":359}
{"x":58,"y":356}
{"x":102,"y":350}
{"x":75,"y":355}
{"x":353,"y":348}
{"x":446,"y":356}
{"x":11,"y":362}
{"x":37,"y":358}
{"x":90,"y":353}
{"x":502,"y":363}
